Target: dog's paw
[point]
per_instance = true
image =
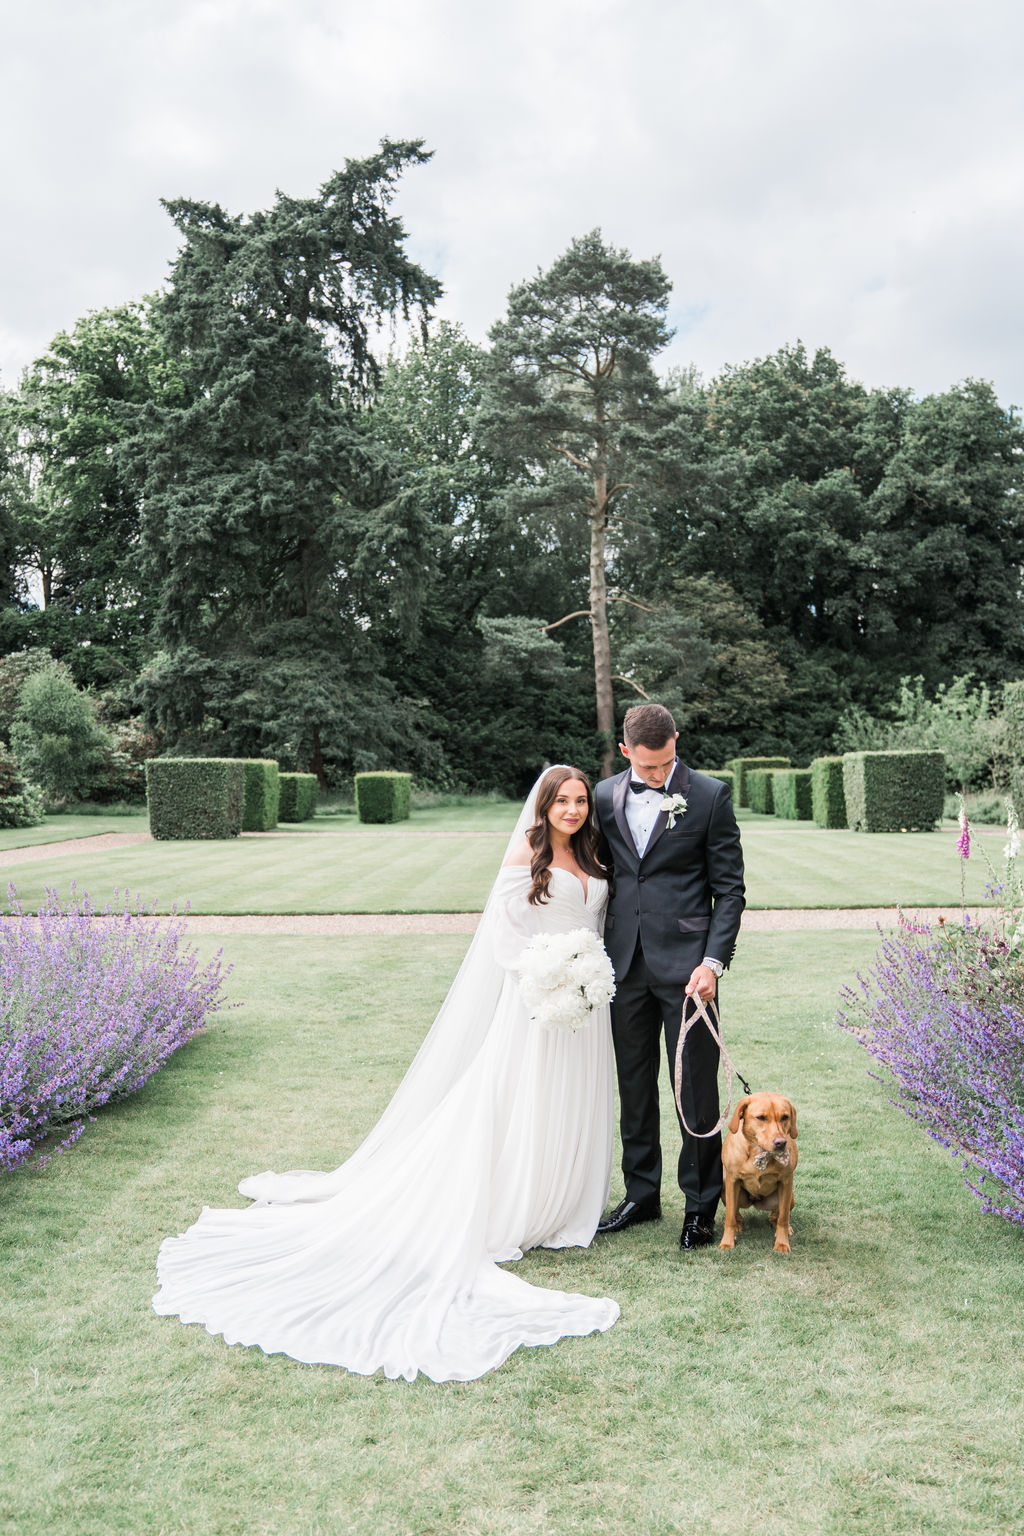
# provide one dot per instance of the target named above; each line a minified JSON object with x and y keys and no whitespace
{"x":728,"y":1241}
{"x":781,"y":1243}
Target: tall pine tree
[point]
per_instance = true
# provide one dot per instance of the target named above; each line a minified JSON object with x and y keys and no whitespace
{"x":573,"y":393}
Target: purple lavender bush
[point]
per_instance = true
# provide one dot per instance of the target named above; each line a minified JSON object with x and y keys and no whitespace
{"x":91,"y":1005}
{"x":943,"y":1011}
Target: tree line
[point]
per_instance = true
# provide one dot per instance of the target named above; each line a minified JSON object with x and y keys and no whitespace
{"x":231,"y":521}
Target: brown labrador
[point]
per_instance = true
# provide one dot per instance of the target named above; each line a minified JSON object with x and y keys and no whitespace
{"x":759,"y":1157}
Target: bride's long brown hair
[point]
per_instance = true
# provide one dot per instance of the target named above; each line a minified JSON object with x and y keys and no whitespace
{"x":583,"y":841}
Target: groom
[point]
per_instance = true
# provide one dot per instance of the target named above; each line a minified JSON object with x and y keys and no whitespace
{"x":670,"y":931}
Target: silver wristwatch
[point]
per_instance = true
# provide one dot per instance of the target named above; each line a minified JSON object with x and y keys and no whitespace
{"x":714,"y":965}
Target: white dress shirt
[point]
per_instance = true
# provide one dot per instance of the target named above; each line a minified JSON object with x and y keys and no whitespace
{"x":642,"y":811}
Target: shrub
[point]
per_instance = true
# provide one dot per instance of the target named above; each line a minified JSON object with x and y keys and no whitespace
{"x":791,"y":793}
{"x":742,"y":767}
{"x":55,"y":736}
{"x":958,"y":722}
{"x":120,"y":774}
{"x":383,"y":796}
{"x":193,"y":797}
{"x":299,"y":793}
{"x":828,"y":800}
{"x":987,"y":810}
{"x":759,"y":790}
{"x":943,"y":1011}
{"x":262,"y":794}
{"x":893,"y":791}
{"x":21,"y":804}
{"x":945,"y":1023}
{"x":725,"y":774}
{"x":15,"y":669}
{"x":90,"y":1010}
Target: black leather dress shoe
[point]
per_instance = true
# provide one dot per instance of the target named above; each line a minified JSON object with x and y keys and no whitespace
{"x":698,"y":1232}
{"x":629,"y":1213}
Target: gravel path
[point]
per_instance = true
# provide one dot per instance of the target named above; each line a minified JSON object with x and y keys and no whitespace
{"x":362,"y":924}
{"x":72,"y":845}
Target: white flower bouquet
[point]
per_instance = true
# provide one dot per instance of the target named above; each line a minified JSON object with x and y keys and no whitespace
{"x":564,"y":977}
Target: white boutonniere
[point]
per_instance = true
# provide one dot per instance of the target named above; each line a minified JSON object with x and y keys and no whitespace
{"x":676,"y":807}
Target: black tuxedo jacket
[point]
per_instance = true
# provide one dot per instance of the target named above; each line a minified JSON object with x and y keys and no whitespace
{"x":684,"y":897}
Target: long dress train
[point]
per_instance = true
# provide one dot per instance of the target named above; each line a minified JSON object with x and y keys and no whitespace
{"x":499,"y":1139}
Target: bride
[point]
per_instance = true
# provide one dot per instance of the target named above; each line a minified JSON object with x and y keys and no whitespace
{"x":497,"y":1140}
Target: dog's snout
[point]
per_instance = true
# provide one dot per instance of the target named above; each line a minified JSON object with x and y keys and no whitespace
{"x":780,"y":1142}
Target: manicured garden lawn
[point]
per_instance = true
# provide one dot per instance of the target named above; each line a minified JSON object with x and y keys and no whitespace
{"x":871,"y":1383}
{"x":446,"y":862}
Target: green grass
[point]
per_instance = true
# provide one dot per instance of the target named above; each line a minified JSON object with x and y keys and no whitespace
{"x":872,"y":1382}
{"x":447,"y":861}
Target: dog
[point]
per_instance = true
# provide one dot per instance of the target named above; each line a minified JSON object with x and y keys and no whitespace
{"x":759,"y":1158}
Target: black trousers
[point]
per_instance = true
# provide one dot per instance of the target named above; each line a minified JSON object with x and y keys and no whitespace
{"x":642,"y":1008}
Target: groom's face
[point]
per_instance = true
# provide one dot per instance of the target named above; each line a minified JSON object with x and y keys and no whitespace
{"x":652,"y":764}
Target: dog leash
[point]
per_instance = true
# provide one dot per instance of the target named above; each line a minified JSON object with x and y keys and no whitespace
{"x":700,"y":1011}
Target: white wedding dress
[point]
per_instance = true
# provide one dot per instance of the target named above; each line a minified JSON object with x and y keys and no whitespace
{"x":499,"y":1139}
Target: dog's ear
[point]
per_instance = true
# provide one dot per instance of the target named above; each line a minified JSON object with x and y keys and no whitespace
{"x":792,"y":1118}
{"x":737,"y":1115}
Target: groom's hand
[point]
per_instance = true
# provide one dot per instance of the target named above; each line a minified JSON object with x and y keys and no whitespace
{"x":703,"y":983}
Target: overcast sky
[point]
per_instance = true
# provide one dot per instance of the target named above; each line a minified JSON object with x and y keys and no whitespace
{"x":847,"y":172}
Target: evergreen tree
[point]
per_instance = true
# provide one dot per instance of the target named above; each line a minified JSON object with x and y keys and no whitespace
{"x":572,"y":393}
{"x":269,"y":523}
{"x":499,"y":697}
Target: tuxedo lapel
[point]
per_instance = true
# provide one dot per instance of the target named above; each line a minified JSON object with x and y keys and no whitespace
{"x":678,"y":784}
{"x":619,"y":793}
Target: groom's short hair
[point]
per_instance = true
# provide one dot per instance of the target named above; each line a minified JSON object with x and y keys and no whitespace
{"x":647,"y":725}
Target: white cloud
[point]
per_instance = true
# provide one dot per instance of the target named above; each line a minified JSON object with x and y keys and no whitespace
{"x":848,"y":172}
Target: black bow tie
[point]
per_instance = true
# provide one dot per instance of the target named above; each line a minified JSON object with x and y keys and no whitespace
{"x":642,"y":789}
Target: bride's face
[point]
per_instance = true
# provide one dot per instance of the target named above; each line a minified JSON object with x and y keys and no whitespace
{"x":570,"y":809}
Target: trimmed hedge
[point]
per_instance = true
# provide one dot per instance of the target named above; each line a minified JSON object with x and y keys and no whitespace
{"x":299,"y":793}
{"x":725,"y":774}
{"x":791,"y":793}
{"x":1013,"y":715}
{"x":828,"y":799}
{"x":262,"y":794}
{"x":759,"y":790}
{"x":894,"y":791}
{"x":742,"y":767}
{"x":384,"y":796}
{"x":1017,"y":791}
{"x":192,"y":797}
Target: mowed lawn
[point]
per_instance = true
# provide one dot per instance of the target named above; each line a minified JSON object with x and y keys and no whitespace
{"x":444,"y":860}
{"x":872,"y":1382}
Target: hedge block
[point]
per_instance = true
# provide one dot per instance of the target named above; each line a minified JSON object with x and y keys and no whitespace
{"x":1013,"y":716}
{"x":725,"y":774}
{"x":759,"y":790}
{"x":742,"y":767}
{"x":299,"y":793}
{"x":193,"y":797}
{"x":384,"y":796}
{"x":262,"y":794}
{"x":828,"y":800}
{"x":1017,"y":791}
{"x":894,"y":791}
{"x":791,"y":793}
